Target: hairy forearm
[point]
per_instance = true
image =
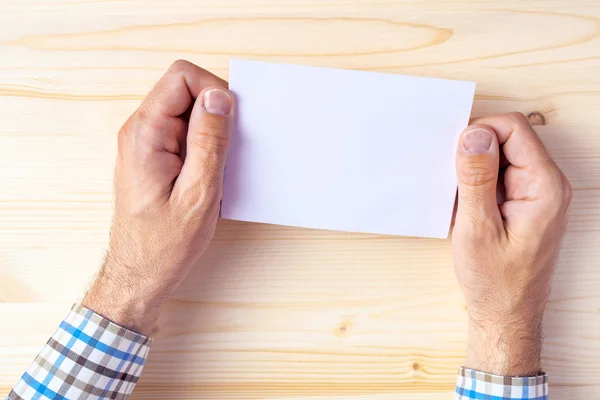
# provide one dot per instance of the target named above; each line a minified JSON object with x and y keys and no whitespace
{"x":510,"y":349}
{"x":134,"y":302}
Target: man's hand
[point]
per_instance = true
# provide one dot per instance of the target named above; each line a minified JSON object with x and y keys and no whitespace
{"x":512,"y":207}
{"x":168,"y":185}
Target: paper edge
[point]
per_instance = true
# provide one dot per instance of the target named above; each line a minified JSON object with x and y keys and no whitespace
{"x":448,"y":231}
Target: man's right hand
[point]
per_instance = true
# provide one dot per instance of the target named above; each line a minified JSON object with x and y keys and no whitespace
{"x":168,"y":187}
{"x":512,"y":208}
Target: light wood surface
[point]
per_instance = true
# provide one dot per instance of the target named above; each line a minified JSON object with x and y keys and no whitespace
{"x":278,"y":312}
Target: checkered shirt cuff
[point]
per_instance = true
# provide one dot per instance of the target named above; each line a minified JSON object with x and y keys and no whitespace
{"x":89,"y":357}
{"x":473,"y":384}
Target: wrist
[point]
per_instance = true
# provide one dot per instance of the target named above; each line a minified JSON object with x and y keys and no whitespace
{"x":125,"y":298}
{"x":507,"y":349}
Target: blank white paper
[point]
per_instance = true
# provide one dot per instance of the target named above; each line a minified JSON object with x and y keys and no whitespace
{"x":344,"y":150}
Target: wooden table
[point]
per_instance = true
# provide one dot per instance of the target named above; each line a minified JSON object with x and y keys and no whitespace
{"x":278,"y":312}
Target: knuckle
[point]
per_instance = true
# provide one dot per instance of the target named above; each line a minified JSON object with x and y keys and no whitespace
{"x":556,"y":198}
{"x":143,"y":129}
{"x":568,"y":190}
{"x":155,"y":130}
{"x":146,"y":155}
{"x":477,"y":175}
{"x":178,"y":66}
{"x":142,"y":115}
{"x":126,"y":129}
{"x":558,"y":195}
{"x":211,"y":138}
{"x":518,"y":118}
{"x":211,"y":144}
{"x":140,"y":120}
{"x":129,"y":131}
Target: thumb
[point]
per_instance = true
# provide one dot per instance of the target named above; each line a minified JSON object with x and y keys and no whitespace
{"x":477,"y":163}
{"x":207,"y":142}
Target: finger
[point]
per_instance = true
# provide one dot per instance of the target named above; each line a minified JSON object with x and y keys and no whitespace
{"x":176,"y":91}
{"x":207,"y":141}
{"x":155,"y":124}
{"x":477,"y":162}
{"x":520,"y":144}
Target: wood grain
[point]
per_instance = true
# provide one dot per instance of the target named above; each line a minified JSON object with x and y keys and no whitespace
{"x":278,"y":312}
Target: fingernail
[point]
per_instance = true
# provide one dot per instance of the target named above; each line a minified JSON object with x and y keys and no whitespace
{"x":217,"y":101}
{"x":477,"y":141}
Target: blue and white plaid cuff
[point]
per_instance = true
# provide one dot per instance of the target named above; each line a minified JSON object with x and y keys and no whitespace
{"x":473,"y":384}
{"x":89,"y":357}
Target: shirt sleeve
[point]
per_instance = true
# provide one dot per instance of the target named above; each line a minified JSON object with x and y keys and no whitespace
{"x":89,"y":357}
{"x":473,"y":384}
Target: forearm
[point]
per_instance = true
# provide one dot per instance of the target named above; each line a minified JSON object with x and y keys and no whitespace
{"x":503,"y":362}
{"x":168,"y":186}
{"x":512,"y":350}
{"x":133,"y":302}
